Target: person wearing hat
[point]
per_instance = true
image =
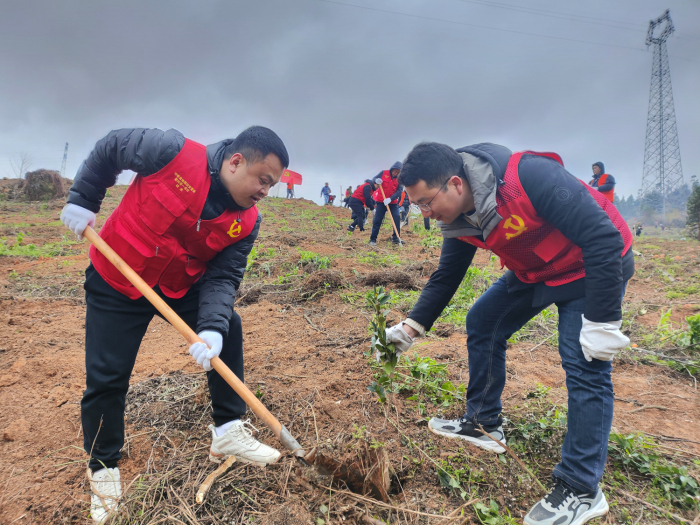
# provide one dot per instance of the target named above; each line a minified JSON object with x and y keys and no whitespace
{"x":386,"y":196}
{"x":603,"y":182}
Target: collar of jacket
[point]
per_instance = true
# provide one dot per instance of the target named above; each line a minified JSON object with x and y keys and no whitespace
{"x":483,"y":184}
{"x":219,"y":198}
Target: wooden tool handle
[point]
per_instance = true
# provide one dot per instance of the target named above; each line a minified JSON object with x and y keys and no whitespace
{"x":189,"y":334}
{"x":396,"y":231}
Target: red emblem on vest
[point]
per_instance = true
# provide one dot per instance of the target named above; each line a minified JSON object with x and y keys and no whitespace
{"x":157,"y":228}
{"x":531,"y":247}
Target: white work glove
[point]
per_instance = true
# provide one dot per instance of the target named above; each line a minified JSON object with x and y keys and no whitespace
{"x":76,"y":218}
{"x":602,"y":340}
{"x":387,"y":201}
{"x":397,"y":335}
{"x":202,"y":354}
{"x":378,"y":181}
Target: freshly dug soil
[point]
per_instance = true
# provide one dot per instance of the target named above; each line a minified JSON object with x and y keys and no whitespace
{"x":392,"y":278}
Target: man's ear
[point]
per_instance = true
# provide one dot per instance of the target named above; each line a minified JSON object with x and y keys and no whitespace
{"x":235,"y":161}
{"x":458,"y":184}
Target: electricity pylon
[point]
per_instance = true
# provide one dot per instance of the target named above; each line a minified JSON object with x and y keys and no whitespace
{"x":662,"y":155}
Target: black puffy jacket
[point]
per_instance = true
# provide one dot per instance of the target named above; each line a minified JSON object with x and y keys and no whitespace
{"x":147,"y":151}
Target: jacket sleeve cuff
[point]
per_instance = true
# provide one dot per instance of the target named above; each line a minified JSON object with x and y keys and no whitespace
{"x":416,"y":326}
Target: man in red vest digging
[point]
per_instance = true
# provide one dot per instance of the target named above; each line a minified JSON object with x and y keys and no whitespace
{"x":386,"y":197}
{"x":563,"y":243}
{"x":186,"y":225}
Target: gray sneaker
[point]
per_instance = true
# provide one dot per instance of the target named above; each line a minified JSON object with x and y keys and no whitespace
{"x":372,"y":243}
{"x":464,"y":429}
{"x":562,"y":506}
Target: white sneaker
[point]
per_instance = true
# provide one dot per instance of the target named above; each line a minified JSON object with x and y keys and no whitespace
{"x":106,"y":490}
{"x":239,"y":441}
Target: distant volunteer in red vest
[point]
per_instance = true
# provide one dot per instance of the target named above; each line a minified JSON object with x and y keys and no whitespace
{"x":186,"y":225}
{"x":562,"y":243}
{"x":359,"y":200}
{"x":387,"y":198}
{"x":603,"y":182}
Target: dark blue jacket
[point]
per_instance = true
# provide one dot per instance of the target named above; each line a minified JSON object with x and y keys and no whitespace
{"x":580,"y":219}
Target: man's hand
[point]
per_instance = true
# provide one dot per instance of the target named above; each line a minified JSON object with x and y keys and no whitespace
{"x":77,"y":218}
{"x":203,"y":355}
{"x":386,"y":201}
{"x":378,"y":181}
{"x":602,"y":340}
{"x":398,"y":335}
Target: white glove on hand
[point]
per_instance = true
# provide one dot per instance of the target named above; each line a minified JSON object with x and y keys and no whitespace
{"x":378,"y":181}
{"x":387,"y":201}
{"x":397,"y":335}
{"x":602,"y":340}
{"x":76,"y":218}
{"x":202,"y":354}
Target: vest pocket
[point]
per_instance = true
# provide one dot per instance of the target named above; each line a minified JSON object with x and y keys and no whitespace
{"x":160,"y":209}
{"x":182,"y":272}
{"x":130,"y":246}
{"x":551,"y":246}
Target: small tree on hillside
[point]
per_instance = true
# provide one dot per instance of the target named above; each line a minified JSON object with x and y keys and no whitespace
{"x":20,"y":165}
{"x":693,"y":219}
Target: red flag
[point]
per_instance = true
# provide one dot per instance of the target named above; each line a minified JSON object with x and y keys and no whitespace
{"x":292,"y":176}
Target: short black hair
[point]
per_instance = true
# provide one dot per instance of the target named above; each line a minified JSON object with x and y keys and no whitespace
{"x":256,"y":143}
{"x":432,"y":163}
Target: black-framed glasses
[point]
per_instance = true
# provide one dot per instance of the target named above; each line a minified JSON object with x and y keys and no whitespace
{"x":426,"y":207}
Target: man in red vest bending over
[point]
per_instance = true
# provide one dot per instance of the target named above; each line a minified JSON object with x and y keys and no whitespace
{"x":603,"y":182}
{"x":361,"y":199}
{"x":563,"y":243}
{"x":186,"y":225}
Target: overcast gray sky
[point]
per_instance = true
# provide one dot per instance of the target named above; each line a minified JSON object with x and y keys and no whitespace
{"x":349,"y":85}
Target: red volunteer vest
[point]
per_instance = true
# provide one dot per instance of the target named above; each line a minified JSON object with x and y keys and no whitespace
{"x":158,"y":231}
{"x":610,"y":194}
{"x":389,"y":185}
{"x":528,"y":245}
{"x":358,"y":193}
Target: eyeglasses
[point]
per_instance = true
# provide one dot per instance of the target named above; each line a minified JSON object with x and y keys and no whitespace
{"x":426,"y":207}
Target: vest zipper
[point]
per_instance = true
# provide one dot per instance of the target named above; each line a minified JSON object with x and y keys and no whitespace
{"x":188,"y":262}
{"x":156,"y":251}
{"x":198,"y":221}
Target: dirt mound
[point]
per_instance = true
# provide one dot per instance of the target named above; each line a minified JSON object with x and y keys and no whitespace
{"x":43,"y":185}
{"x":396,"y":278}
{"x":319,"y":281}
{"x":248,"y":295}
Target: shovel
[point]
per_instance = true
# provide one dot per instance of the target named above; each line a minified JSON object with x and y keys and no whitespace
{"x":396,"y":231}
{"x":224,"y":371}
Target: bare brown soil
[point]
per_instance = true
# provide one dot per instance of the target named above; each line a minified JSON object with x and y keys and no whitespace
{"x":303,"y":352}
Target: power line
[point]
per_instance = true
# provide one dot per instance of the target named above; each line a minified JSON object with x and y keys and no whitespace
{"x":567,"y":16}
{"x":456,"y":22}
{"x":559,"y":15}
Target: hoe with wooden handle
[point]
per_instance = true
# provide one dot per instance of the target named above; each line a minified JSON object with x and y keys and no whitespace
{"x":392,"y":219}
{"x":224,"y":371}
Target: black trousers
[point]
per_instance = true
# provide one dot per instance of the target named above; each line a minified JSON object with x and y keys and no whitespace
{"x":358,"y":213}
{"x":379,"y":212}
{"x":114,"y":328}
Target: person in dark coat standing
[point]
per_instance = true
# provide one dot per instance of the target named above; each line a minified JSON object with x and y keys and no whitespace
{"x":564,"y":244}
{"x":186,"y":225}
